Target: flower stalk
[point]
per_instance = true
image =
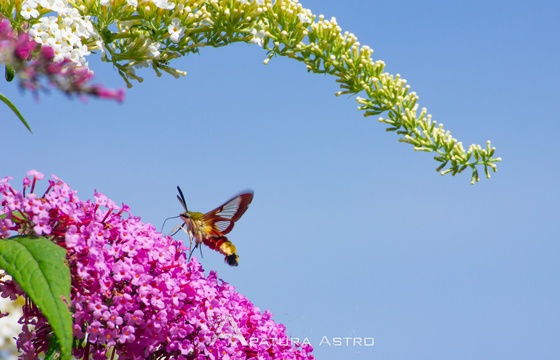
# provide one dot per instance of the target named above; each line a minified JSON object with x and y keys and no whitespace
{"x":132,"y":34}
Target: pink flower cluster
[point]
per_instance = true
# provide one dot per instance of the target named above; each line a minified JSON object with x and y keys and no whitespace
{"x":133,"y":293}
{"x":31,"y":62}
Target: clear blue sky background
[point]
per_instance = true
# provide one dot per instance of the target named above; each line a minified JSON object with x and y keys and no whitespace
{"x":351,"y":233}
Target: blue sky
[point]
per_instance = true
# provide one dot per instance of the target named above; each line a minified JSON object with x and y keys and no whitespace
{"x":351,"y":233}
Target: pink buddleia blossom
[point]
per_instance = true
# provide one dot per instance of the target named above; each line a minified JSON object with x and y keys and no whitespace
{"x":33,"y":62}
{"x":133,"y":293}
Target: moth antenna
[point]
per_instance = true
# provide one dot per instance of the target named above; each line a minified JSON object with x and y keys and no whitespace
{"x":162,"y":226}
{"x":182,"y":198}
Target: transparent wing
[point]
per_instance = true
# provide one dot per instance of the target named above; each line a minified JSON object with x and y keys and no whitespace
{"x":224,"y":216}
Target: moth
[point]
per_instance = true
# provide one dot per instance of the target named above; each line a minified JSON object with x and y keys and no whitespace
{"x":212,"y":227}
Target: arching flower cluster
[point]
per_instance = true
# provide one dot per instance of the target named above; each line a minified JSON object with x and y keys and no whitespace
{"x":133,"y":293}
{"x":135,"y":34}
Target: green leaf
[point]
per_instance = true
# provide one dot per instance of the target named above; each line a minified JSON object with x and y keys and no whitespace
{"x":15,"y":110}
{"x":38,"y":265}
{"x":54,"y":349}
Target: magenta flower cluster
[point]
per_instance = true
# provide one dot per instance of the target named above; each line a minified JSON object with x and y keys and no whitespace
{"x":31,"y":62}
{"x":133,"y":295}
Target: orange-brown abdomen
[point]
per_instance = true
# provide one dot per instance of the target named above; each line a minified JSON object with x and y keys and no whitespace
{"x":224,"y":247}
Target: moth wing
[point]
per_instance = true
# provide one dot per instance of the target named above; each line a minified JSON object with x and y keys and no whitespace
{"x":224,"y":217}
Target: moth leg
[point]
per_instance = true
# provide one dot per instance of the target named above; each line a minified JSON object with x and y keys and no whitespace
{"x":190,"y":255}
{"x":190,"y":235}
{"x":200,"y":248}
{"x":175,"y":230}
{"x":192,"y":251}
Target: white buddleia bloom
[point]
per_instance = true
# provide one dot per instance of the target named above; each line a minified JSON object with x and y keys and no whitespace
{"x":154,"y":47}
{"x":175,"y":30}
{"x":9,"y":327}
{"x":29,"y":9}
{"x":164,"y":4}
{"x":65,"y":31}
{"x":59,"y":6}
{"x":304,"y":18}
{"x":258,"y":37}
